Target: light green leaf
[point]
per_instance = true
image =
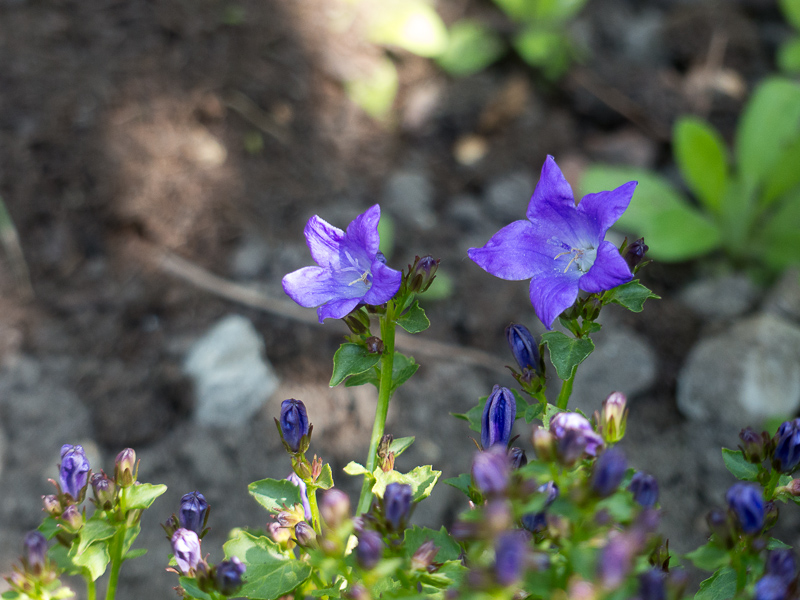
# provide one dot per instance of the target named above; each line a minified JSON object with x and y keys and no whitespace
{"x":353,"y":468}
{"x":325,"y":479}
{"x":190,"y":585}
{"x":778,"y":240}
{"x":400,"y":445}
{"x":142,"y":495}
{"x":703,"y":160}
{"x":566,"y":353}
{"x":274,"y":494}
{"x":784,"y":176}
{"x":410,"y":24}
{"x":544,"y":49}
{"x":769,"y":123}
{"x":791,"y":10}
{"x":631,"y":295}
{"x":720,"y":586}
{"x":270,"y":574}
{"x":421,"y":479}
{"x":351,"y":359}
{"x":375,"y":92}
{"x":776,"y":544}
{"x":709,"y":557}
{"x":471,"y":48}
{"x":416,"y":536}
{"x":131,"y":533}
{"x":94,"y":530}
{"x":672,"y":228}
{"x":135,"y":553}
{"x":788,"y":57}
{"x":414,"y":320}
{"x":736,"y":463}
{"x":550,"y":411}
{"x":547,"y":11}
{"x":94,"y":559}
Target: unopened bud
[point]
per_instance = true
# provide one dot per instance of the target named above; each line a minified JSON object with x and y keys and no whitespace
{"x":746,"y":503}
{"x":753,"y":445}
{"x":422,"y":273}
{"x":35,"y":551}
{"x":279,"y":534}
{"x":424,"y":555}
{"x":103,"y":488}
{"x":614,"y":417}
{"x":193,"y":513}
{"x":634,"y":253}
{"x":334,"y":508}
{"x":370,"y":549}
{"x":510,"y":552}
{"x":498,"y":418}
{"x":304,"y":535}
{"x":543,"y":444}
{"x":71,"y":519}
{"x":523,"y":347}
{"x":490,"y":471}
{"x":51,"y":505}
{"x":517,"y":458}
{"x":73,"y":472}
{"x":293,"y":424}
{"x":375,"y":345}
{"x":357,"y":321}
{"x":397,"y":504}
{"x":228,"y":576}
{"x":645,"y":489}
{"x":125,"y":468}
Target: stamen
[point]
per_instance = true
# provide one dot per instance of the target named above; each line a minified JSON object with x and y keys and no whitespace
{"x":362,"y":279}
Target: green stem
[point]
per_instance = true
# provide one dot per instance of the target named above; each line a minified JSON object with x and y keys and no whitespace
{"x":312,"y":503}
{"x":384,"y":394}
{"x":116,"y":560}
{"x":566,"y":391}
{"x":91,"y":587}
{"x":772,"y":483}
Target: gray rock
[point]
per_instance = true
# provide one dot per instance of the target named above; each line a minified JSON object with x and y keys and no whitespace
{"x":232,"y":379}
{"x":409,"y":196}
{"x":721,"y":298}
{"x":783,"y":300}
{"x":251,"y":258}
{"x":744,"y":375}
{"x":508,"y":195}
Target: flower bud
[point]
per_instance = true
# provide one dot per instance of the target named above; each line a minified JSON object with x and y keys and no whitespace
{"x":490,"y":471}
{"x":73,"y":472}
{"x":498,"y":417}
{"x":517,"y":458}
{"x":422,"y":273}
{"x":609,"y":471}
{"x":278,"y":533}
{"x":771,"y":587}
{"x":718,"y":524}
{"x":334,"y":508}
{"x":634,"y":253}
{"x":35,"y":551}
{"x":125,"y":468}
{"x":781,"y":563}
{"x":543,"y":444}
{"x":753,"y":445}
{"x":228,"y":576}
{"x":51,"y":505}
{"x":536,"y":522}
{"x":523,"y":347}
{"x":375,"y":345}
{"x":616,"y":560}
{"x":746,"y":502}
{"x":424,"y":555}
{"x":305,"y":535}
{"x":193,"y":513}
{"x":301,"y":485}
{"x":565,"y":422}
{"x":186,"y":548}
{"x":510,"y":551}
{"x":357,"y":321}
{"x":645,"y":489}
{"x":397,"y":504}
{"x":293,"y":423}
{"x":770,"y":514}
{"x":104,"y":489}
{"x":370,"y":549}
{"x":614,"y":417}
{"x":787,"y":447}
{"x":652,"y":585}
{"x":71,"y":519}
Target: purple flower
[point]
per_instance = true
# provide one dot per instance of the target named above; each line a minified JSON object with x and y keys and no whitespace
{"x":787,"y":447}
{"x":609,"y":471}
{"x":397,"y":504}
{"x":370,"y":549}
{"x":645,"y":489}
{"x":35,"y":545}
{"x":351,"y":271}
{"x":301,"y":485}
{"x":193,"y":513}
{"x":565,"y":422}
{"x":770,"y":587}
{"x":228,"y":576}
{"x":186,"y":548}
{"x":293,"y":423}
{"x":746,"y":501}
{"x":498,"y":417}
{"x":560,"y":247}
{"x":510,"y":550}
{"x":73,"y":473}
{"x":490,"y":470}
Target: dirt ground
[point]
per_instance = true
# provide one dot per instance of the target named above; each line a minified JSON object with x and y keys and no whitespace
{"x":130,"y":127}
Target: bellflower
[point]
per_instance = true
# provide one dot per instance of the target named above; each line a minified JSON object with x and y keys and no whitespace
{"x":186,"y":548}
{"x":561,"y":247}
{"x":73,"y":473}
{"x":193,"y":512}
{"x":787,"y":447}
{"x":565,"y":423}
{"x":746,"y":501}
{"x":228,"y":576}
{"x":498,"y":417}
{"x":351,"y":270}
{"x":293,"y":423}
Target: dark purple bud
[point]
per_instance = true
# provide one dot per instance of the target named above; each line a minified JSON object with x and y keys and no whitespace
{"x":609,"y":471}
{"x":51,"y":505}
{"x":424,"y":555}
{"x":375,"y":345}
{"x":35,"y":550}
{"x":334,"y":508}
{"x":517,"y":458}
{"x":787,"y":447}
{"x":523,"y":347}
{"x":652,"y":585}
{"x":645,"y":489}
{"x":295,"y":479}
{"x":193,"y":512}
{"x":186,"y":548}
{"x":634,"y":253}
{"x":71,"y":519}
{"x":103,"y":490}
{"x":397,"y":504}
{"x":228,"y":576}
{"x":536,"y":522}
{"x":498,"y":417}
{"x":616,"y":559}
{"x":565,"y":422}
{"x":771,"y":587}
{"x":753,"y":445}
{"x":490,"y":471}
{"x":305,"y":535}
{"x":293,"y":423}
{"x":73,"y":473}
{"x":510,"y":551}
{"x":717,"y":522}
{"x":746,"y":502}
{"x":125,"y":468}
{"x":423,"y":273}
{"x":781,"y":563}
{"x":770,"y":514}
{"x":370,"y":549}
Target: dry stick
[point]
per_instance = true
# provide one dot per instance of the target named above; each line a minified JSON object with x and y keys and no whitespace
{"x":189,"y":272}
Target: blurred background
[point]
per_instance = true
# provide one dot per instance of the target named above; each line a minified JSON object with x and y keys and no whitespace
{"x":158,"y":161}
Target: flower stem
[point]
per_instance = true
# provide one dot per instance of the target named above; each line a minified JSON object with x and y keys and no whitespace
{"x":566,"y":391}
{"x":118,"y":541}
{"x":312,"y":503}
{"x":384,"y":394}
{"x":91,"y":587}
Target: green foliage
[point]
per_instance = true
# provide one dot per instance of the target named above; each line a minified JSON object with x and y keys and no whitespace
{"x":736,"y":463}
{"x":566,"y":353}
{"x":471,"y":47}
{"x":789,"y":52}
{"x":749,"y":210}
{"x":351,"y":359}
{"x":274,"y":494}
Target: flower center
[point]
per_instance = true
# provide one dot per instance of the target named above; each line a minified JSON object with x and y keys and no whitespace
{"x":364,"y":275}
{"x":582,"y":258}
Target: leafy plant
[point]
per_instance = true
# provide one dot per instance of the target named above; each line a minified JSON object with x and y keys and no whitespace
{"x":789,"y":52}
{"x":747,"y":205}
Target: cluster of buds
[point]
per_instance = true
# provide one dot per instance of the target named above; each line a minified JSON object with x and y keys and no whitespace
{"x":35,"y":572}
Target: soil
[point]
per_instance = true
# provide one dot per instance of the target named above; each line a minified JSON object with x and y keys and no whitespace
{"x":132,"y":127}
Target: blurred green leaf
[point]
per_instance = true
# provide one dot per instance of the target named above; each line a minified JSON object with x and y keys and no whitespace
{"x":736,"y":463}
{"x":791,"y":10}
{"x":386,"y":234}
{"x":673,"y":229}
{"x":274,"y":494}
{"x":788,"y":57}
{"x":410,"y":24}
{"x":421,"y":479}
{"x":375,"y":92}
{"x":778,"y":240}
{"x":720,"y":586}
{"x":784,"y":176}
{"x":703,"y":159}
{"x":471,"y":47}
{"x":544,"y":49}
{"x":542,"y":11}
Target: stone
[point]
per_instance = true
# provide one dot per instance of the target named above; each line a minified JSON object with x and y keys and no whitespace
{"x":409,"y":196}
{"x":232,"y":379}
{"x":721,"y":298}
{"x":744,"y":375}
{"x":251,"y":258}
{"x":783,"y":300}
{"x":508,"y":195}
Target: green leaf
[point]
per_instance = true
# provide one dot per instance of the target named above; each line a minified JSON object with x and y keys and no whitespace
{"x":784,"y":176}
{"x":533,"y":411}
{"x":674,"y":230}
{"x":791,"y":10}
{"x":416,"y":536}
{"x":351,"y":359}
{"x":94,"y":559}
{"x":471,"y":47}
{"x":544,"y":49}
{"x":703,"y":160}
{"x":720,"y":586}
{"x":94,"y":530}
{"x":474,"y":416}
{"x":548,"y":11}
{"x":421,"y":479}
{"x":788,"y":57}
{"x":462,"y":482}
{"x":131,"y":533}
{"x":135,"y":553}
{"x":375,"y":91}
{"x":403,"y":368}
{"x":49,"y":527}
{"x":776,"y":544}
{"x":400,"y":445}
{"x":410,"y":24}
{"x":631,"y":295}
{"x":550,"y":411}
{"x":779,"y":238}
{"x":619,"y":505}
{"x":736,"y":464}
{"x":325,"y":479}
{"x":566,"y":353}
{"x":414,"y":320}
{"x":142,"y":495}
{"x":353,"y":468}
{"x":270,"y":574}
{"x":274,"y":494}
{"x":709,"y":557}
{"x":769,"y":123}
{"x":190,"y":585}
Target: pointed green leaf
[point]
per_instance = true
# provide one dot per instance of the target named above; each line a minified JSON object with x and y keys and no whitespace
{"x":131,"y":533}
{"x":709,"y":557}
{"x":135,"y":553}
{"x":736,"y":463}
{"x":402,"y":369}
{"x":631,"y":295}
{"x":270,"y":574}
{"x":400,"y":445}
{"x":474,"y":416}
{"x":421,"y":479}
{"x":720,"y":586}
{"x":142,"y":495}
{"x":192,"y":589}
{"x":462,"y":482}
{"x":414,"y":320}
{"x":351,"y":359}
{"x":274,"y":494}
{"x":94,"y":530}
{"x":353,"y":468}
{"x":94,"y":559}
{"x":325,"y":479}
{"x":416,"y":536}
{"x":566,"y":353}
{"x":703,"y":160}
